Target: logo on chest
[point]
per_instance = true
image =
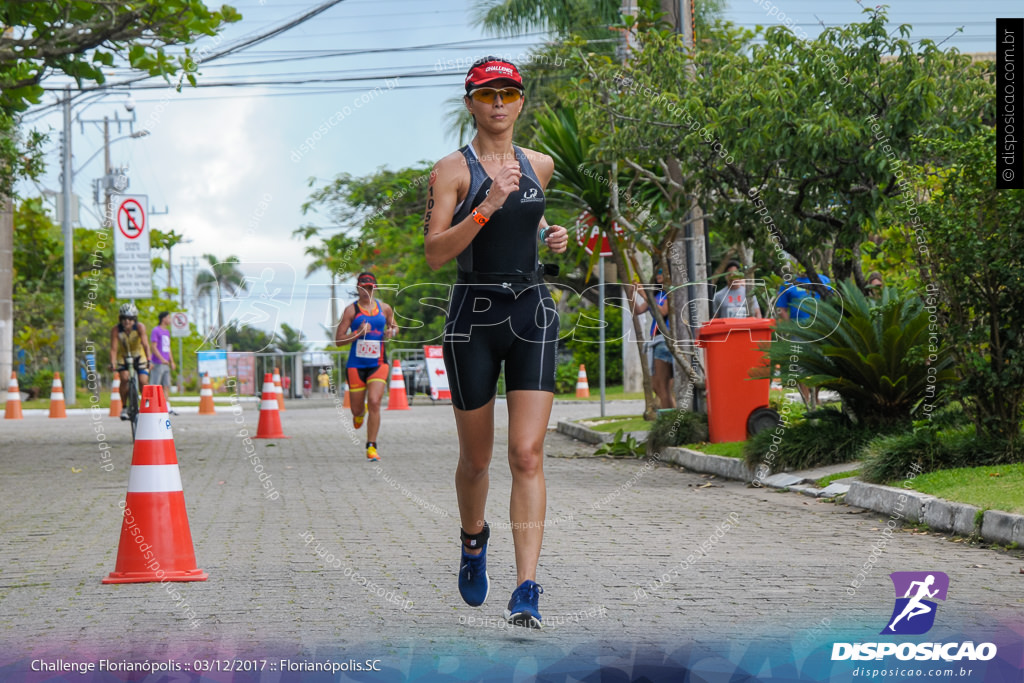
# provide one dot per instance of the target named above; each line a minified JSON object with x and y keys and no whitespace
{"x":531,"y":195}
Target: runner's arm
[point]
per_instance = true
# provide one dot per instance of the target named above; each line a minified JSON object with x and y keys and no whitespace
{"x":555,"y":236}
{"x":390,"y":328}
{"x":443,"y":241}
{"x":341,"y":336}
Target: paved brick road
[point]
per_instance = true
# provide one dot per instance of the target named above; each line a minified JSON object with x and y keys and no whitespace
{"x":614,"y":526}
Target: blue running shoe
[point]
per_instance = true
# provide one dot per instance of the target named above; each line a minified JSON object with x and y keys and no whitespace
{"x":474,"y":584}
{"x":522,"y":608}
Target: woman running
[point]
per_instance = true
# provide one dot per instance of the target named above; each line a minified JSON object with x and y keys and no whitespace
{"x":485,"y":208}
{"x":366,"y":324}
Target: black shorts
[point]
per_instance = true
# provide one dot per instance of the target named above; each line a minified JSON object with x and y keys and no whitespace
{"x":140,"y":362}
{"x":488,"y":324}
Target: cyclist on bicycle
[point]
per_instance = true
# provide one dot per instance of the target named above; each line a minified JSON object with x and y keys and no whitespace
{"x":128,"y":340}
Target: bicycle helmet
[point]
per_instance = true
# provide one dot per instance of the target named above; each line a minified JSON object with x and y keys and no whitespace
{"x":129,"y":311}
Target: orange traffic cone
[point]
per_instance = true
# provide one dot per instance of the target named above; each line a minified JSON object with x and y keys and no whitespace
{"x":397,"y":398}
{"x":206,"y":396}
{"x":269,"y":426}
{"x":115,"y":397}
{"x":12,"y":408}
{"x":582,"y":388}
{"x":278,"y":390}
{"x":156,"y":544}
{"x":57,"y":398}
{"x":348,"y":399}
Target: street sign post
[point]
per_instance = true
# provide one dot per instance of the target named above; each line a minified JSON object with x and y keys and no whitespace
{"x":179,"y":324}
{"x":133,"y":269}
{"x":179,"y":329}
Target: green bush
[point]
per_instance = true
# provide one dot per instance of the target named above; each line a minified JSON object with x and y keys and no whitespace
{"x":676,"y":428}
{"x":875,"y":355}
{"x":41,"y":385}
{"x":825,"y":437}
{"x":889,"y":458}
{"x":583,"y":342}
{"x":565,"y":377}
{"x":622,"y":445}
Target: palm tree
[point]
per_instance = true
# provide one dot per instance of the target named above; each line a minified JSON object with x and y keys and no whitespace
{"x":290,"y":339}
{"x":562,"y":17}
{"x":558,"y":136}
{"x":587,"y":18}
{"x":221,"y":277}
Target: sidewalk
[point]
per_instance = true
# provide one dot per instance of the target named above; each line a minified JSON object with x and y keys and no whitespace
{"x":616,"y":563}
{"x":994,"y":526}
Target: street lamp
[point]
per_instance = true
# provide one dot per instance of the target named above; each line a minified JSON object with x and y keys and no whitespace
{"x":70,"y":379}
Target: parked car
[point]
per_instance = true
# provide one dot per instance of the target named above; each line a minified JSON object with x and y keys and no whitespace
{"x":415,"y":374}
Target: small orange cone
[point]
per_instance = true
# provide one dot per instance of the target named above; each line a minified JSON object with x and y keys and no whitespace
{"x":397,"y":398}
{"x":278,"y":390}
{"x":582,"y":388}
{"x":269,"y":426}
{"x":206,"y":396}
{"x":348,"y":399}
{"x":156,"y":543}
{"x":57,"y":408}
{"x":115,"y":397}
{"x":12,"y":408}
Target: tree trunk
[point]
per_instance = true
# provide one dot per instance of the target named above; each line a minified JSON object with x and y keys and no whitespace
{"x":6,"y":288}
{"x":650,"y":403}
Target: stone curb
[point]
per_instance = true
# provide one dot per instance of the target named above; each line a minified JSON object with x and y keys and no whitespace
{"x":730,"y":468}
{"x":591,"y":436}
{"x":581,"y":433}
{"x":940,"y":515}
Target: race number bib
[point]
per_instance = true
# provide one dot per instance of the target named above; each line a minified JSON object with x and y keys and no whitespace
{"x":368,"y":348}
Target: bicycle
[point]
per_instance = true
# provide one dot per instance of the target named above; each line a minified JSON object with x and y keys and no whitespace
{"x":133,"y":398}
{"x":131,"y":406}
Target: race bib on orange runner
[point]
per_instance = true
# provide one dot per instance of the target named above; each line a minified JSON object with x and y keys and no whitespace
{"x":368,"y":348}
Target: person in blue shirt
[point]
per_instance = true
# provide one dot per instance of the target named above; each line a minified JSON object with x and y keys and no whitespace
{"x":793,"y":302}
{"x":798,"y":301}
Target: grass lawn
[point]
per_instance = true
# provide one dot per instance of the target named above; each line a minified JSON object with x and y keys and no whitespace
{"x":999,"y":487}
{"x":611,"y":393}
{"x":613,"y":423}
{"x":731,"y":449}
{"x":825,"y":481}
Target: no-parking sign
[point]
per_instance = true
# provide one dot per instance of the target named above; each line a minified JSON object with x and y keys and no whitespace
{"x":133,"y":269}
{"x":179,"y":324}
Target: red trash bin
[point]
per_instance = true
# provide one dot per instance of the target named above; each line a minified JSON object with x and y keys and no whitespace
{"x":737,"y":404}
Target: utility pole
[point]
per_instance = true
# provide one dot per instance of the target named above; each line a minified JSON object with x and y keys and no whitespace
{"x":70,"y":379}
{"x":6,"y":288}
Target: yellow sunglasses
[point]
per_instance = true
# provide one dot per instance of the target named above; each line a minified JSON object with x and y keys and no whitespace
{"x":487,"y":95}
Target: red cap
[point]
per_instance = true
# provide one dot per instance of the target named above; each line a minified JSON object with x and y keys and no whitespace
{"x":366,"y":279}
{"x":488,"y":72}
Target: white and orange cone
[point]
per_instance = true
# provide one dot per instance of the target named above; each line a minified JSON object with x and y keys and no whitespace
{"x":347,"y":403}
{"x":12,"y":408}
{"x":269,"y":426}
{"x":278,"y":390}
{"x":115,"y":397}
{"x":156,"y":543}
{"x":206,"y":397}
{"x":582,"y":388}
{"x":398,"y":399}
{"x":57,"y":408}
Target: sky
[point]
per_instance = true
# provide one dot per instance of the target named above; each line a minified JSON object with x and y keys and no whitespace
{"x":359,"y":87}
